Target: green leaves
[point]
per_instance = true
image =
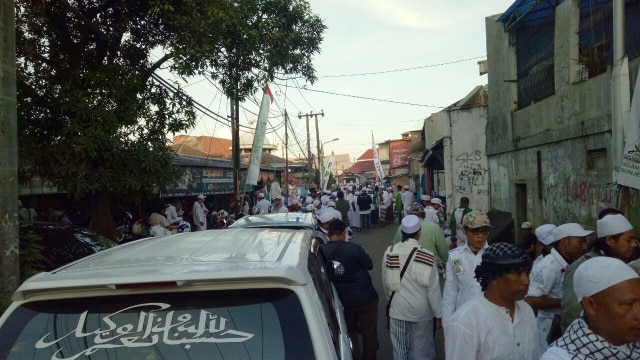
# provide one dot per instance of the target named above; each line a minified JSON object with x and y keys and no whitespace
{"x":92,"y":118}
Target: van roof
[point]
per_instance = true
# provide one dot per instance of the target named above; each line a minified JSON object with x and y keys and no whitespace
{"x":241,"y":254}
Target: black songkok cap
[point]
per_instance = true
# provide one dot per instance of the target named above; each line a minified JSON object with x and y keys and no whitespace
{"x":500,"y":259}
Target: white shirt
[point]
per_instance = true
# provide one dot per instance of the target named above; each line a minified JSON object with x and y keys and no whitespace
{"x":461,"y":237}
{"x":263,"y":206}
{"x":413,"y":302}
{"x":199,"y":213}
{"x":556,"y":353}
{"x":281,"y":209}
{"x":337,"y":214}
{"x":536,"y":262}
{"x":385,"y":201}
{"x":460,"y":284}
{"x":547,"y":279}
{"x":407,"y":199}
{"x":431,"y":215}
{"x":162,"y":221}
{"x":158,"y":231}
{"x":172,"y":214}
{"x":482,"y":330}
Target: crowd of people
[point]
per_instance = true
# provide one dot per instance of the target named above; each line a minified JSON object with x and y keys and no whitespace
{"x":578,"y":299}
{"x":565,"y":293}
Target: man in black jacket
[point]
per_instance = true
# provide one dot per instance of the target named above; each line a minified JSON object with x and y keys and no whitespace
{"x":355,"y":289}
{"x":364,"y":205}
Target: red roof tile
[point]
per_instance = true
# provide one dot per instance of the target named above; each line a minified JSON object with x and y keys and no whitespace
{"x":361,"y":167}
{"x":367,"y":155}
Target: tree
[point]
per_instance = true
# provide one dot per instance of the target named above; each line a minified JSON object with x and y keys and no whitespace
{"x":9,"y":261}
{"x":92,"y":114}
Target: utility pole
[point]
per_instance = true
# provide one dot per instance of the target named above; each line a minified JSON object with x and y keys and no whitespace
{"x":320,"y":155}
{"x":235,"y":145}
{"x":309,"y":155}
{"x":286,"y":153}
{"x":9,"y":259}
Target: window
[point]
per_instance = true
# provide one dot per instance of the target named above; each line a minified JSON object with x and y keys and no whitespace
{"x":596,"y":159}
{"x":230,"y":324}
{"x":535,"y":62}
{"x":632,"y":31}
{"x":325,"y":291}
{"x":596,"y":38}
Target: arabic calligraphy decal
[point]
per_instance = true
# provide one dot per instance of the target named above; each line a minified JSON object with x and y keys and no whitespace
{"x":155,"y":325}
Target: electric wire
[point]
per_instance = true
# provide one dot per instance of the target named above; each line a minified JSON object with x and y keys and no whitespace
{"x":372,"y":99}
{"x":394,"y":70}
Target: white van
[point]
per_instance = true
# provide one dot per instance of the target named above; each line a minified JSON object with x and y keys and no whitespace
{"x":220,"y":294}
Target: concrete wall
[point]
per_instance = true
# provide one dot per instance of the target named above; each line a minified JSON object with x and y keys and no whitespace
{"x":433,"y":129}
{"x":465,"y":158}
{"x":538,"y":155}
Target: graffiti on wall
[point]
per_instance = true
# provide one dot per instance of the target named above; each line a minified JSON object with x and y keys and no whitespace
{"x":471,"y":175}
{"x":584,"y":192}
{"x":558,"y":157}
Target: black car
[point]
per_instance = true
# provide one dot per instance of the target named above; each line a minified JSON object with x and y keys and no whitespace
{"x":60,"y":244}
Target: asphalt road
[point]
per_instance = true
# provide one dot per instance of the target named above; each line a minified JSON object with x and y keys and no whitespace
{"x":375,"y":242}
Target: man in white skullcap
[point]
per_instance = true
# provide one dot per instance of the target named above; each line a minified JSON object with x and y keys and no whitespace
{"x":200,"y":213}
{"x":317,"y":207}
{"x":325,"y":218}
{"x":277,"y":206}
{"x":432,"y":212}
{"x":411,"y":284}
{"x":544,"y":234}
{"x":617,"y":239}
{"x":546,"y":280}
{"x":407,"y":200}
{"x":263,"y":205}
{"x":331,"y":206}
{"x":425,"y":200}
{"x":609,"y":292}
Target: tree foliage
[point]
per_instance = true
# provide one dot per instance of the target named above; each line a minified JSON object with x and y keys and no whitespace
{"x":93,"y":117}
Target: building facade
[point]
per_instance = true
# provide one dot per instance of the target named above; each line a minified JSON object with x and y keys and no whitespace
{"x":554,"y":130}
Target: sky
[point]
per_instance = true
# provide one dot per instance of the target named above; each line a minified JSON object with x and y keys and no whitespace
{"x":439,"y":41}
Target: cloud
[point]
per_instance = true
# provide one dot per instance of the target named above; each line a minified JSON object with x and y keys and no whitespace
{"x":411,"y":14}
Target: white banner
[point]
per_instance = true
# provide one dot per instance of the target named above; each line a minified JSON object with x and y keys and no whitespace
{"x":327,"y":171}
{"x":630,"y":166}
{"x":258,"y":138}
{"x":376,"y":159}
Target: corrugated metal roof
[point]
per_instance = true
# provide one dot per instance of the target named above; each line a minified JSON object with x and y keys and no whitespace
{"x":529,"y":11}
{"x":188,"y":160}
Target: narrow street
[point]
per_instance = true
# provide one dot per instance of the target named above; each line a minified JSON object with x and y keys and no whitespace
{"x":375,"y":243}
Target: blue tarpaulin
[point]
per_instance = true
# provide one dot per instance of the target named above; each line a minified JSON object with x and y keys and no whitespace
{"x":529,"y":11}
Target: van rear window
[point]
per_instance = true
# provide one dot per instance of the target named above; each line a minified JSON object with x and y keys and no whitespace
{"x":229,"y":324}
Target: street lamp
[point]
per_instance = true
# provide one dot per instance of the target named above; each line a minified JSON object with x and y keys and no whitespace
{"x":326,"y":142}
{"x":321,"y":158}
